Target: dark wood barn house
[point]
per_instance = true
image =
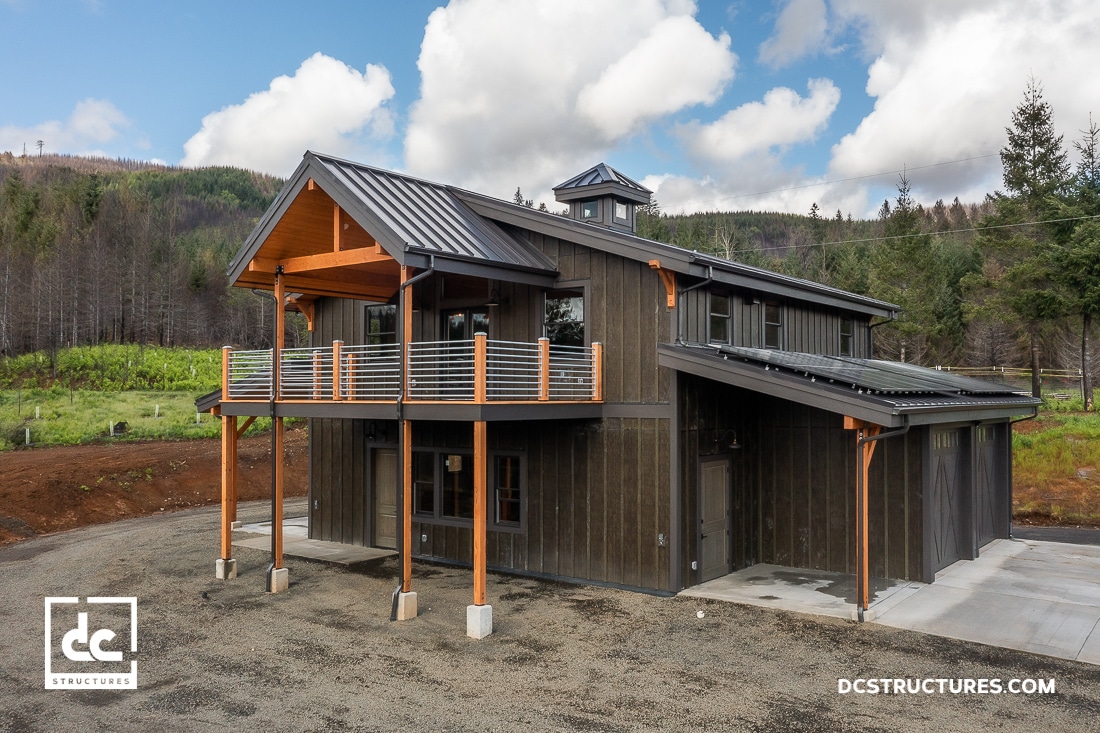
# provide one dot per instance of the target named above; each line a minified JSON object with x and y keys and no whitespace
{"x":554,"y":396}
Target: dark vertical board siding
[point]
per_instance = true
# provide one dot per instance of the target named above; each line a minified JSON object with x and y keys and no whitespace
{"x":661,"y":469}
{"x":536,"y":498}
{"x":841,"y":448}
{"x":582,"y":531}
{"x":914,"y":446}
{"x":820,"y":505}
{"x":631,"y":518}
{"x":613,"y":355}
{"x":599,"y":491}
{"x":615,"y":499}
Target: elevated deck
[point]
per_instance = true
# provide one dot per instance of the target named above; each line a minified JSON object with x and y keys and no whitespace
{"x":475,"y":379}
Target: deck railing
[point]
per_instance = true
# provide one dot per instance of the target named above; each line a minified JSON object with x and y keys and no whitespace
{"x":476,"y":370}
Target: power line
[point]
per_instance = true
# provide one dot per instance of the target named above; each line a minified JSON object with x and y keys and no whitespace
{"x":903,"y":170}
{"x":937,"y":234}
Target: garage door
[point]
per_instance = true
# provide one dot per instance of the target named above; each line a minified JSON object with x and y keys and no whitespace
{"x":945,"y":514}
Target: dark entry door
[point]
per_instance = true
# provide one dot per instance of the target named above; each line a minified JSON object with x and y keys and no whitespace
{"x":385,"y":498}
{"x":714,"y":519}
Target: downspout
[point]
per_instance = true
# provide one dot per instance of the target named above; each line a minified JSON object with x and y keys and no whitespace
{"x":271,"y":411}
{"x":870,"y":337}
{"x":400,"y":534}
{"x":861,"y":529}
{"x":680,"y":314}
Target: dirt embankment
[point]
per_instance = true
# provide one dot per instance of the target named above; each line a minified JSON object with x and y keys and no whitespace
{"x":45,"y":490}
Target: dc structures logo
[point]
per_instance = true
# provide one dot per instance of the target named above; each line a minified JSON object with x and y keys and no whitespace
{"x":92,"y":646}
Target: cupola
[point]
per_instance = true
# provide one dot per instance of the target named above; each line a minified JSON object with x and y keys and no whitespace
{"x":601,"y":195}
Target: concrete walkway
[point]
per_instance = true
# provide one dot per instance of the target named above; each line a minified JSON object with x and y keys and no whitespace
{"x":296,"y":543}
{"x":1041,"y":597}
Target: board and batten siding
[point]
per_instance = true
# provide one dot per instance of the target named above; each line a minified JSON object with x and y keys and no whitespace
{"x":596,"y":499}
{"x":625,"y":310}
{"x":806,"y":329}
{"x":337,"y":467}
{"x":793,"y":484}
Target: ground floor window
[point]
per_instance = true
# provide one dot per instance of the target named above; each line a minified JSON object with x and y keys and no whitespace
{"x":443,"y":486}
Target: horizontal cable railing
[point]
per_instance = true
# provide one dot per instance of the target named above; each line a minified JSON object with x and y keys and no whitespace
{"x":441,"y":370}
{"x":572,"y":373}
{"x":305,"y":374}
{"x":471,"y":370}
{"x":248,"y":375}
{"x":371,"y":372}
{"x":512,"y":371}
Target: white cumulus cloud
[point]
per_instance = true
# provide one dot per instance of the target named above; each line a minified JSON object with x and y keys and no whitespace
{"x":92,"y":123}
{"x":945,"y":86}
{"x":326,"y":106}
{"x":783,"y":118}
{"x":800,"y":29}
{"x":529,"y":93}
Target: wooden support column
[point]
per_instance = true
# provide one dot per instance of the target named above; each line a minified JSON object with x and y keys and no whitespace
{"x":864,"y":452}
{"x":277,"y":426}
{"x":480,"y":509}
{"x":229,"y":483}
{"x":406,"y":505}
{"x":597,"y":371}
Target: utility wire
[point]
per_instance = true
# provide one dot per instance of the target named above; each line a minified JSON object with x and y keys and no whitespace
{"x":904,"y":170}
{"x":936,"y":234}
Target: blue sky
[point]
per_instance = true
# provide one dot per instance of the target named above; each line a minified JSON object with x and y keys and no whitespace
{"x":713,"y":105}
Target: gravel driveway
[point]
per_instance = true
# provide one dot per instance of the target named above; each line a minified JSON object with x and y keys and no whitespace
{"x":324,"y":656}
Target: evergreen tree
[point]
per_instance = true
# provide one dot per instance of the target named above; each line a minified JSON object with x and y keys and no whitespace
{"x":1076,"y":262}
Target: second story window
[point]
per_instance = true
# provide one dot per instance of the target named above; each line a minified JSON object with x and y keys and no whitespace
{"x":719,"y":324}
{"x":381,"y":324}
{"x":845,"y":336}
{"x":773,"y":326}
{"x":590,"y":209}
{"x":563,"y":321}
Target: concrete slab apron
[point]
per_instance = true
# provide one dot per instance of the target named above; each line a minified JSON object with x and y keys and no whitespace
{"x":1040,"y":597}
{"x":296,"y":543}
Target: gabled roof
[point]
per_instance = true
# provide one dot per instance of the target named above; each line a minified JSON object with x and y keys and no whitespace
{"x":413,"y":220}
{"x":883,"y":392}
{"x":674,"y":258}
{"x":600,"y":180}
{"x":416,"y":222}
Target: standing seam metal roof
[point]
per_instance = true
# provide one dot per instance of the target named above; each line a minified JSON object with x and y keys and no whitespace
{"x":428,"y":217}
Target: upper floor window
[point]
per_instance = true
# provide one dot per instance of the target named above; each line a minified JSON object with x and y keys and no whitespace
{"x":563,"y":321}
{"x":622,"y":211}
{"x":773,"y":326}
{"x":845,"y":336}
{"x":590,"y":209}
{"x":719,"y":325}
{"x":381,"y":324}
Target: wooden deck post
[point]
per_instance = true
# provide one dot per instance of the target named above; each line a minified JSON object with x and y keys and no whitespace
{"x":225,"y":372}
{"x":480,"y":509}
{"x":337,"y":371}
{"x":480,"y":367}
{"x":544,"y":369}
{"x":597,"y":371}
{"x":318,"y":373}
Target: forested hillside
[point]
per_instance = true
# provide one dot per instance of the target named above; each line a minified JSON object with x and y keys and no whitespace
{"x":100,"y":251}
